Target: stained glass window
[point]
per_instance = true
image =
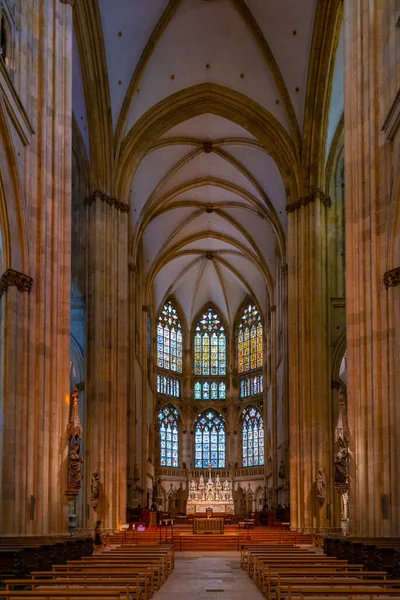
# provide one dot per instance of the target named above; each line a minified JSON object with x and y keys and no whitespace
{"x":251,"y":386}
{"x":169,"y":386}
{"x":252,"y":438}
{"x":250,"y":340}
{"x":210,"y":345}
{"x":209,"y":390}
{"x":168,"y":419}
{"x":210,"y":440}
{"x":169,"y":339}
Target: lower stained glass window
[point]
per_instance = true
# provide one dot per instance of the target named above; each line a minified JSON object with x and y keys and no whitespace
{"x":252,"y":438}
{"x":168,"y":418}
{"x":210,"y":440}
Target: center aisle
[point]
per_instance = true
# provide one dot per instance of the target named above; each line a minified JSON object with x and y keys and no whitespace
{"x":208,"y":576}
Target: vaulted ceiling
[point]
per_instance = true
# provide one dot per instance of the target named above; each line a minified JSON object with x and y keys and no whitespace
{"x":207,"y":196}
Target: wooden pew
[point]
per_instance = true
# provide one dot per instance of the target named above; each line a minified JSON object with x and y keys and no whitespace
{"x":158,"y":563}
{"x":144,"y":576}
{"x":364,"y":593}
{"x":67,"y":594}
{"x":289,"y":586}
{"x":133,"y":586}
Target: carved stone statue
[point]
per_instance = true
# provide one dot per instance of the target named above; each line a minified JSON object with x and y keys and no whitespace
{"x":201,"y":487}
{"x":218,"y":488}
{"x":281,"y":472}
{"x":75,"y":468}
{"x":95,"y":487}
{"x":210,"y":490}
{"x":341,"y":471}
{"x":321,"y":486}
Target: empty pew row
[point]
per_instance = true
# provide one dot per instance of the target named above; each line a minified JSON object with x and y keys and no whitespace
{"x":372,"y":553}
{"x":133,"y":574}
{"x":294,"y":574}
{"x":19,"y":556}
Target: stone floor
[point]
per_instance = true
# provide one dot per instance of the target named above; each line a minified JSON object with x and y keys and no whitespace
{"x":208,"y":576}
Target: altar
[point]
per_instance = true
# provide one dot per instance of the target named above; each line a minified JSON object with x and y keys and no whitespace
{"x":208,"y":526}
{"x":212,"y":495}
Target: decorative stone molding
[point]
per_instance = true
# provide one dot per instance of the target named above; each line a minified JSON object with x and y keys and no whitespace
{"x":80,"y":386}
{"x":390,"y":278}
{"x":71,"y":2}
{"x":22,"y":282}
{"x":307,"y":199}
{"x":110,"y":200}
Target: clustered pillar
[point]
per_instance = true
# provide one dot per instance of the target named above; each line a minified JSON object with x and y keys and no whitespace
{"x":309,"y":390}
{"x":107,"y":367}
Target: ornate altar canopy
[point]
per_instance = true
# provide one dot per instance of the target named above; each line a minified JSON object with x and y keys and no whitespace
{"x":210,"y":494}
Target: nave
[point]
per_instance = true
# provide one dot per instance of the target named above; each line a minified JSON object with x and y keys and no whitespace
{"x":208,"y":576}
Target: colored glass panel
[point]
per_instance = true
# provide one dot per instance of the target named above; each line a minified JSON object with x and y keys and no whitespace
{"x":169,"y":339}
{"x":209,"y":440}
{"x":251,"y":386}
{"x":168,"y":419}
{"x":250,"y":340}
{"x":209,"y":390}
{"x":168,"y":386}
{"x":252,"y":438}
{"x":209,"y":345}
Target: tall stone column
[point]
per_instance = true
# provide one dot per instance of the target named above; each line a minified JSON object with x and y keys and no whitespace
{"x":309,"y":380}
{"x":35,"y":379}
{"x":107,"y":351}
{"x":372,"y":77}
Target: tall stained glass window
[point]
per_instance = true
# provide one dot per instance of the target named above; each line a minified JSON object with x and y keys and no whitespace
{"x":252,"y":438}
{"x":250,"y":351}
{"x":168,"y":419}
{"x":210,"y":440}
{"x":169,"y":351}
{"x":169,"y":339}
{"x":250,"y":340}
{"x":210,"y":345}
{"x":210,"y":357}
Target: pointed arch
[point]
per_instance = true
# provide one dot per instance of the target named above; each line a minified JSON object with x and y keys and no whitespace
{"x":168,"y":418}
{"x":215,"y":99}
{"x":169,"y":339}
{"x":210,"y":342}
{"x":253,"y":447}
{"x":210,"y":439}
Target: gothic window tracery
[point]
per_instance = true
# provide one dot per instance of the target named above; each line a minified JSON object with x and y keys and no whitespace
{"x":210,"y":440}
{"x":250,"y":352}
{"x":209,"y":357}
{"x":252,"y":438}
{"x":168,"y":420}
{"x":169,"y":351}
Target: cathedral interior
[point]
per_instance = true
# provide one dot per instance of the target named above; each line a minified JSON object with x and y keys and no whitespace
{"x":200,"y":262}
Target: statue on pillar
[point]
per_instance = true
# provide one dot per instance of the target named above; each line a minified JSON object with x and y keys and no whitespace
{"x":281,"y":472}
{"x":75,"y":467}
{"x":341,"y":467}
{"x":95,"y":488}
{"x":321,"y":486}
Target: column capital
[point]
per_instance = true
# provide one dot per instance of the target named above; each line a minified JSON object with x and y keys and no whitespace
{"x":392,"y":278}
{"x":110,"y":200}
{"x":317,"y":194}
{"x":71,"y":2}
{"x":22,"y":282}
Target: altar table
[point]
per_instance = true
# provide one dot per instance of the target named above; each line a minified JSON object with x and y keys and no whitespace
{"x":213,"y":525}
